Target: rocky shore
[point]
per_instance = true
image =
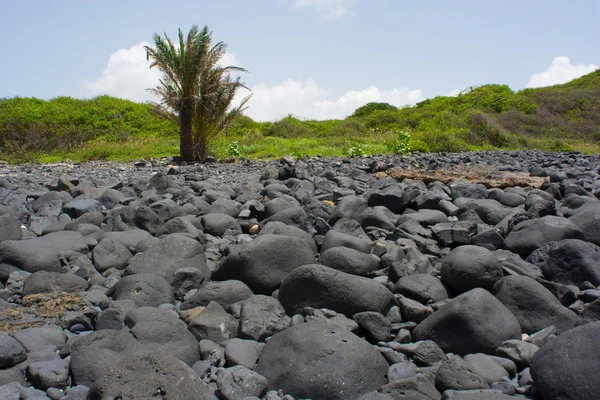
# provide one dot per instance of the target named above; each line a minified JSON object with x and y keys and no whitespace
{"x":431,"y":276}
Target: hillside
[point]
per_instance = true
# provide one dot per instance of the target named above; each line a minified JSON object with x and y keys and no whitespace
{"x":560,"y":117}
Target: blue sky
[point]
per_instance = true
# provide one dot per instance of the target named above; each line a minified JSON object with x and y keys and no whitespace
{"x":311,"y":58}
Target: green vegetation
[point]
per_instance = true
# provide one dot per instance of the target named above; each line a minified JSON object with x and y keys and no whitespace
{"x":194,"y":90}
{"x":101,"y":128}
{"x":558,"y":118}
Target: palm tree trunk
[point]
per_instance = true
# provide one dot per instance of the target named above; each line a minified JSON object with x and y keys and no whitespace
{"x":186,"y":148}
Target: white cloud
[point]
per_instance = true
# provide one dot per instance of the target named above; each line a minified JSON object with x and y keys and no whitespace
{"x":326,"y":10}
{"x":306,"y":99}
{"x":128,"y":75}
{"x":560,"y":71}
{"x":454,"y":93}
{"x":229,"y":59}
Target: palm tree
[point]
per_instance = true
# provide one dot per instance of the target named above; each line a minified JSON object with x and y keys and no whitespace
{"x":214,"y":111}
{"x":195,"y":89}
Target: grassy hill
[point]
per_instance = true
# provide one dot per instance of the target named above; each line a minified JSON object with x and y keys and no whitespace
{"x":560,"y":117}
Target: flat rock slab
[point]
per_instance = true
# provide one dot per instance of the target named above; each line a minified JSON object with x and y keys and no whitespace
{"x":488,"y":176}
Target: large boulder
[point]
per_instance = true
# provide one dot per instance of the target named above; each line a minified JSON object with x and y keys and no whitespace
{"x":149,"y":375}
{"x":149,"y":290}
{"x":349,"y":260}
{"x":264,"y":262}
{"x":468,"y":267}
{"x":587,"y":218}
{"x":534,"y":306}
{"x":163,"y":330}
{"x":47,"y":282}
{"x":42,"y":253}
{"x":261,"y":317}
{"x":111,"y":253}
{"x":473,"y":322}
{"x":424,"y":288}
{"x":217,"y":223}
{"x":318,"y":286}
{"x":334,"y":238}
{"x":534,"y":233}
{"x":566,"y":368}
{"x":169,"y":254}
{"x":321,"y":361}
{"x":94,"y":354}
{"x":570,"y":262}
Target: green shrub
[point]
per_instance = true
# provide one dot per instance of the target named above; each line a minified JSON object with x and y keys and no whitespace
{"x":372,"y":107}
{"x":400,"y":144}
{"x":355,"y":150}
{"x":559,"y":145}
{"x":289,"y":127}
{"x":234,"y":149}
{"x":419,"y":145}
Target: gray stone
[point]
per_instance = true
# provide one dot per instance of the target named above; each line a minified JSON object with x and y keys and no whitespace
{"x":169,"y":254}
{"x":261,"y":317}
{"x":37,"y":339}
{"x":424,"y":217}
{"x":213,"y":323}
{"x":239,"y":382}
{"x":532,"y":234}
{"x":334,"y":238}
{"x":147,"y":375}
{"x":48,"y":282}
{"x":94,"y":354}
{"x":325,"y":361}
{"x":349,"y":260}
{"x":565,"y":368}
{"x":452,"y":234}
{"x":42,"y":253}
{"x":415,"y":388}
{"x":145,"y":290}
{"x":401,"y":370}
{"x":163,"y":330}
{"x":224,"y":292}
{"x":77,"y":208}
{"x":587,"y":218}
{"x":468,"y":267}
{"x":470,"y":323}
{"x":216,"y":224}
{"x":518,"y":352}
{"x":373,"y":326}
{"x":318,"y":286}
{"x":486,"y":367}
{"x":534,"y":306}
{"x":242,"y":352}
{"x":110,"y":253}
{"x":264,"y":262}
{"x":11,"y":351}
{"x":49,"y":374}
{"x":570,"y":262}
{"x":11,"y":226}
{"x":212,"y":352}
{"x":424,"y":288}
{"x":455,"y":373}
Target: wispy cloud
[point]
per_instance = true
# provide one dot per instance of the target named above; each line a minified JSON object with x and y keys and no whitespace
{"x":560,"y":71}
{"x":326,"y":10}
